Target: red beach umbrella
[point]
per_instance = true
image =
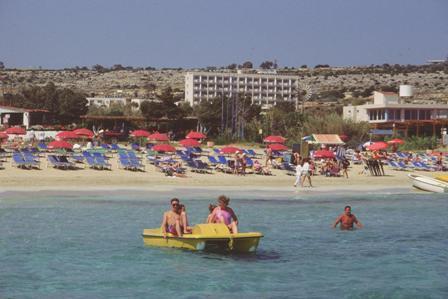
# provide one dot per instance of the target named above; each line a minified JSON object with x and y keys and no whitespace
{"x":15,"y":131}
{"x":3,"y":135}
{"x":376,"y":146}
{"x":395,"y":141}
{"x":67,"y":135}
{"x":189,"y":143}
{"x":278,"y":147}
{"x":84,"y":132}
{"x":140,"y":133}
{"x":163,"y":148}
{"x":274,"y":139}
{"x":158,"y":137}
{"x":230,"y":150}
{"x":323,"y":154}
{"x":60,"y":144}
{"x":195,"y":135}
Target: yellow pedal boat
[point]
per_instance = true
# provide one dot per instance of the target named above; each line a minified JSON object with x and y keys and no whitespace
{"x":208,"y":237}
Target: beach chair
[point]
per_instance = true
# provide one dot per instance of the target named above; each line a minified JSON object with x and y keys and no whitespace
{"x":212,"y":160}
{"x":136,"y":164}
{"x":19,"y":161}
{"x":222,"y":160}
{"x":100,"y":160}
{"x":249,"y":162}
{"x":427,"y":167}
{"x":202,"y":167}
{"x":132,"y":155}
{"x":29,"y":158}
{"x":92,"y":163}
{"x":217,"y":151}
{"x":56,"y":163}
{"x":42,"y":147}
{"x":252,"y":153}
{"x":135,"y":146}
{"x":124,"y":163}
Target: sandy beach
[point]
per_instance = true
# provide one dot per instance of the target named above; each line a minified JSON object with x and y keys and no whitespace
{"x":17,"y":179}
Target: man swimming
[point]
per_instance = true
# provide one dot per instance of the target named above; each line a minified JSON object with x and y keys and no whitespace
{"x":171,"y":222}
{"x":347,"y":220}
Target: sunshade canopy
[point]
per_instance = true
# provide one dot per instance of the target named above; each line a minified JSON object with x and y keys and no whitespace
{"x":278,"y":147}
{"x":163,"y":148}
{"x":60,"y":144}
{"x":84,"y":132}
{"x":67,"y":135}
{"x":140,"y":133}
{"x":327,"y":139}
{"x":189,"y":143}
{"x":376,"y":146}
{"x":15,"y":131}
{"x":195,"y":135}
{"x":158,"y":137}
{"x":395,"y":141}
{"x":324,"y":154}
{"x":229,"y":150}
{"x":274,"y":139}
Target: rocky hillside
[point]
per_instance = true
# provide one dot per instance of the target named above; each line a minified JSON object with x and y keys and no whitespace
{"x":329,"y":85}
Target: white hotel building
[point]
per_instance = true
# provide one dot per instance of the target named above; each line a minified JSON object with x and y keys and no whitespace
{"x":264,"y":89}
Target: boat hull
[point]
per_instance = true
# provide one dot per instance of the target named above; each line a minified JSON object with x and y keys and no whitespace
{"x":206,"y":237}
{"x":428,"y":184}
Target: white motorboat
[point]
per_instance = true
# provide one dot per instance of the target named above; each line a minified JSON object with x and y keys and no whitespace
{"x":428,"y":184}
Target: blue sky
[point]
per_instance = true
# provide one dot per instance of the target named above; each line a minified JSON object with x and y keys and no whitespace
{"x":199,"y":33}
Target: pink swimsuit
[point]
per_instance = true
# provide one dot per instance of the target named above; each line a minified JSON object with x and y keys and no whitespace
{"x":223,"y":214}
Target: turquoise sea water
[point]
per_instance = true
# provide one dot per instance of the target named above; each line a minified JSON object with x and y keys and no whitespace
{"x":89,"y":246}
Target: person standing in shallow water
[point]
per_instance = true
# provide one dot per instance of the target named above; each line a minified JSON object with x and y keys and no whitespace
{"x":347,"y":220}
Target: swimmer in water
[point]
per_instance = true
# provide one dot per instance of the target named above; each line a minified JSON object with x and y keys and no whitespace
{"x":347,"y":220}
{"x":223,"y":214}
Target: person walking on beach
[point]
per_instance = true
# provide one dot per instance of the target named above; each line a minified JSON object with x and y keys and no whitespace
{"x":299,"y":169}
{"x":171,"y":222}
{"x":345,"y":164}
{"x":269,"y":156}
{"x":306,"y":174}
{"x":347,"y":220}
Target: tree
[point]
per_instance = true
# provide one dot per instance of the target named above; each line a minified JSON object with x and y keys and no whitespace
{"x":71,"y":105}
{"x":267,"y":65}
{"x":232,"y":66}
{"x":2,"y":65}
{"x":247,"y":65}
{"x":117,"y":67}
{"x":99,"y":68}
{"x":303,"y":66}
{"x":164,"y":106}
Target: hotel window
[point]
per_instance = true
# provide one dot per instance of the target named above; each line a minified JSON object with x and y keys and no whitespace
{"x":424,"y":115}
{"x":410,"y":114}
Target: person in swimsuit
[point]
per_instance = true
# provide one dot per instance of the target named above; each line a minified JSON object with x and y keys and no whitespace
{"x":172,"y":222}
{"x":347,"y":220}
{"x":184,"y":219}
{"x":223,"y":214}
{"x":211,"y":207}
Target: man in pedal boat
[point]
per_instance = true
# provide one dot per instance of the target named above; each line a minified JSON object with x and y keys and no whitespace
{"x":172,"y":222}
